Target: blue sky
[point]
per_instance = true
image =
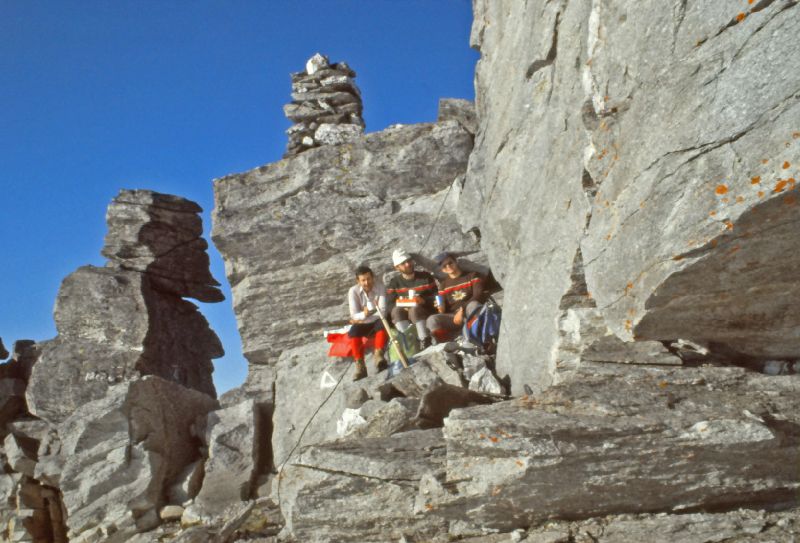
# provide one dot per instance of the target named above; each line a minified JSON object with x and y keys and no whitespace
{"x":167,"y":95}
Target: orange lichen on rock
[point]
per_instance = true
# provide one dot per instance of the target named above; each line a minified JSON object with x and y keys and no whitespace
{"x":677,"y":258}
{"x":761,"y":194}
{"x":755,"y":180}
{"x":663,"y":384}
{"x":494,"y":439}
{"x":796,"y":135}
{"x":628,"y":325}
{"x":739,"y":199}
{"x":780,"y":185}
{"x":628,"y":288}
{"x":520,"y":464}
{"x":740,"y":17}
{"x":728,"y":224}
{"x":785,"y":165}
{"x":721,"y":189}
{"x":725,"y":200}
{"x":712,"y":212}
{"x":764,"y":160}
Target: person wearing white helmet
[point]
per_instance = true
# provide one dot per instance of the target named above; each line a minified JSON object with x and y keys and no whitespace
{"x":410,"y":295}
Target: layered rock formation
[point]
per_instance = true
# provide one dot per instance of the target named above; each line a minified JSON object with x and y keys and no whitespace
{"x":292,"y":232}
{"x":105,"y":412}
{"x":326,"y":106}
{"x":662,"y":143}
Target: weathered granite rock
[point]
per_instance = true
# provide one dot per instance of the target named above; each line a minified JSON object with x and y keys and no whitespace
{"x":649,"y":439}
{"x":161,"y":235}
{"x":735,"y":526}
{"x":672,"y":171}
{"x":433,"y":366}
{"x":119,"y":454}
{"x":315,"y":216}
{"x":12,"y":401}
{"x":3,"y":351}
{"x":612,"y":349}
{"x":459,"y":110}
{"x":379,"y":477}
{"x":31,"y":512}
{"x":302,"y":369}
{"x":24,"y":354}
{"x":232,"y":438}
{"x":397,"y":415}
{"x":128,"y":319}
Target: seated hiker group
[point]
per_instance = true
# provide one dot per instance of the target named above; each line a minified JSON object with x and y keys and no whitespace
{"x":412,"y":298}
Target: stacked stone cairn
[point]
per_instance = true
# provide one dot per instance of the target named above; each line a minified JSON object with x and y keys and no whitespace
{"x":326,"y":106}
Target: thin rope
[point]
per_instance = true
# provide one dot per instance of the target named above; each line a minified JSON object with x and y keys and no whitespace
{"x":299,"y":439}
{"x":436,"y":220}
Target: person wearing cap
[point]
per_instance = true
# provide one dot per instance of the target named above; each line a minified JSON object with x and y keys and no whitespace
{"x":462,"y":293}
{"x":411,"y":284}
{"x":365,"y":299}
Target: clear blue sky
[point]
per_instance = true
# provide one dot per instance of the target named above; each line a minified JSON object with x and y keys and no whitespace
{"x":167,"y":95}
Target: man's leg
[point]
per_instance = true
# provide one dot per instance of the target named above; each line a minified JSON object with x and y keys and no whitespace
{"x":400,"y":318}
{"x":418,"y":316}
{"x":356,"y":333}
{"x":442,"y":327}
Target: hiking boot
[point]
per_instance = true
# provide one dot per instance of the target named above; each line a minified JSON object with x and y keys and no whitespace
{"x":380,"y":360}
{"x":361,"y":370}
{"x":424,"y":343}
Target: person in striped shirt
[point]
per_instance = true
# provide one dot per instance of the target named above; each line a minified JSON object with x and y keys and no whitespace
{"x":401,"y":286}
{"x":462,"y":293}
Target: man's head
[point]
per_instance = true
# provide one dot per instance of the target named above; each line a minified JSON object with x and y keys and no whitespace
{"x":403,"y":262}
{"x":448,"y":264}
{"x":365,"y":278}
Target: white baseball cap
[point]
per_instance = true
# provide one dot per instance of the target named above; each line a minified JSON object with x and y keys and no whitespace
{"x":399,"y":256}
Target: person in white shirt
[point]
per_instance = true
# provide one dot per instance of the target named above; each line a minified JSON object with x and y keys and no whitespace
{"x":364,"y":299}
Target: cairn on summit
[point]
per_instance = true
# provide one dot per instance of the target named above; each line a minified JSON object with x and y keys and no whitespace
{"x":326,"y":106}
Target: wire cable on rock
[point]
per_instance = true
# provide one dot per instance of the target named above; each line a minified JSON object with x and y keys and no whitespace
{"x":436,"y":220}
{"x":303,"y":432}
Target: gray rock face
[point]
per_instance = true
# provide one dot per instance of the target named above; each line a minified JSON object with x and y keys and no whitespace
{"x":647,"y":139}
{"x":233,"y":454}
{"x":119,"y":455}
{"x":355,"y":491}
{"x":128,"y":319}
{"x":292,"y":232}
{"x":651,"y":439}
{"x":459,"y":110}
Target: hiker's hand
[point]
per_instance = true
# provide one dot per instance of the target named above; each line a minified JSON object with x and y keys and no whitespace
{"x":458,"y":318}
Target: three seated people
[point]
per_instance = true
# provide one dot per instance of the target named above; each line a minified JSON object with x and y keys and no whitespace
{"x":412,"y":298}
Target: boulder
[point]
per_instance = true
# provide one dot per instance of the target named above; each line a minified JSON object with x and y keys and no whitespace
{"x":3,"y":351}
{"x":379,"y":477}
{"x":129,"y":319}
{"x":119,"y":454}
{"x":673,"y":172}
{"x":652,"y":439}
{"x":303,"y":368}
{"x":234,"y":451}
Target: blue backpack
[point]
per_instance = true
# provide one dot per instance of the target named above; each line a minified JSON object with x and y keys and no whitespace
{"x":482,"y":328}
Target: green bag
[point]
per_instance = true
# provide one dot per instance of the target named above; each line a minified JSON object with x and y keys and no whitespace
{"x":408,"y":341}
